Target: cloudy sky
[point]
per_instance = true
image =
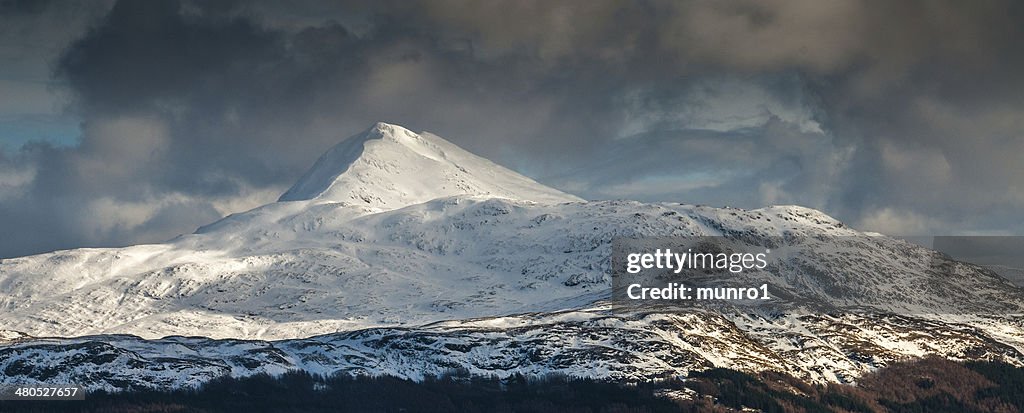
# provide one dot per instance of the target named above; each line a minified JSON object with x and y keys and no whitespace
{"x":134,"y":121}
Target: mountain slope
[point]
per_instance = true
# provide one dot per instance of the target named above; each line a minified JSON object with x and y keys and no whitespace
{"x":324,"y":269}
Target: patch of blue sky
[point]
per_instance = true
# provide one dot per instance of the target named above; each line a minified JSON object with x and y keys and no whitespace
{"x":57,"y":130}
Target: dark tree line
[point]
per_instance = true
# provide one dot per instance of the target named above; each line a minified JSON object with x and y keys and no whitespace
{"x":928,"y":385}
{"x":302,"y":392}
{"x":920,"y":386}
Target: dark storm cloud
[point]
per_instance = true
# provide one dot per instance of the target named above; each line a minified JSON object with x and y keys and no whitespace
{"x":22,"y":6}
{"x":895,"y":116}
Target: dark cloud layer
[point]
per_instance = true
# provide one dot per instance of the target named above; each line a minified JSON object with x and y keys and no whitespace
{"x":902,"y":117}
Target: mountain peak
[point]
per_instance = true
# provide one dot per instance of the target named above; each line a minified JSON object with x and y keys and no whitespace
{"x":389,"y":167}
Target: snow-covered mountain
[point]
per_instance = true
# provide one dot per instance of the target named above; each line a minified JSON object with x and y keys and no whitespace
{"x":391,"y":231}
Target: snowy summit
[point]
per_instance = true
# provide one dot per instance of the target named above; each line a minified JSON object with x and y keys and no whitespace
{"x":389,"y":167}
